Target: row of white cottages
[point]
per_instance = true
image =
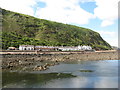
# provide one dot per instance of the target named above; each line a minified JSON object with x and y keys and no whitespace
{"x":50,"y":48}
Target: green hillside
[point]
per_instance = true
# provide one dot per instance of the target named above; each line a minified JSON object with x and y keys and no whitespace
{"x":19,"y":29}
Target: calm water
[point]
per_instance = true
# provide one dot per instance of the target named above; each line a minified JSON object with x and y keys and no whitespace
{"x":95,"y":74}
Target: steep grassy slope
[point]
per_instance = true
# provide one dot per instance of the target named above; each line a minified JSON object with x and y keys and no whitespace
{"x":23,"y":29}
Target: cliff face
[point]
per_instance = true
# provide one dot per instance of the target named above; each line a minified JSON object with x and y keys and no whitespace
{"x":21,"y":29}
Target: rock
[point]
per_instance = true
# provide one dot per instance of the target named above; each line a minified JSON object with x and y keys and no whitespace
{"x":47,"y":64}
{"x":37,"y":68}
{"x":33,"y":58}
{"x":41,"y":60}
{"x":57,"y":63}
{"x":25,"y":59}
{"x":40,"y":68}
{"x":86,"y":70}
{"x":52,"y":64}
{"x":45,"y":67}
{"x":20,"y":62}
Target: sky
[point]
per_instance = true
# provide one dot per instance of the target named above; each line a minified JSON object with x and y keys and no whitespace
{"x":98,"y":15}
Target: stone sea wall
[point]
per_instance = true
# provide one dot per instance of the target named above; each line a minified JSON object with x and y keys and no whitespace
{"x":66,"y":56}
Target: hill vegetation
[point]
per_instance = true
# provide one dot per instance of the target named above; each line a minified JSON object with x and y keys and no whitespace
{"x":19,"y":29}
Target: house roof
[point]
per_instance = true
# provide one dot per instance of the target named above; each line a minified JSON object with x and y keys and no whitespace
{"x":45,"y":48}
{"x":27,"y":45}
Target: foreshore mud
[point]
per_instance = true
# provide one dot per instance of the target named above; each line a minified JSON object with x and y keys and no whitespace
{"x":13,"y":59}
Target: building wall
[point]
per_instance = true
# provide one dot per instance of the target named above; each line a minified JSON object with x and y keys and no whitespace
{"x":75,"y":48}
{"x":26,"y":48}
{"x":49,"y":48}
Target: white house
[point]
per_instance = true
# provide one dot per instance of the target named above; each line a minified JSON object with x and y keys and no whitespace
{"x":86,"y":48}
{"x":66,"y":48}
{"x":46,"y":48}
{"x":80,"y":47}
{"x":11,"y":48}
{"x":50,"y":48}
{"x":26,"y":47}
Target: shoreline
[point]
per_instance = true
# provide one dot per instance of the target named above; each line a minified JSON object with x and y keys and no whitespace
{"x":20,"y":52}
{"x":61,"y":56}
{"x":26,"y":60}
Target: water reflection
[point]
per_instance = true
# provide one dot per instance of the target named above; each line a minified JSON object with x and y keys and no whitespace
{"x":104,"y":75}
{"x":84,"y":82}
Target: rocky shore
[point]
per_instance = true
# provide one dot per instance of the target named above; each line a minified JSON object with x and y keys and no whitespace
{"x":42,"y":61}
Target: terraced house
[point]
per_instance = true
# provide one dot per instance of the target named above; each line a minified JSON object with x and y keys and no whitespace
{"x":26,"y":47}
{"x":54,"y":48}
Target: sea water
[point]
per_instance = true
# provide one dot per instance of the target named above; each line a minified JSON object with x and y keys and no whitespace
{"x":86,"y":74}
